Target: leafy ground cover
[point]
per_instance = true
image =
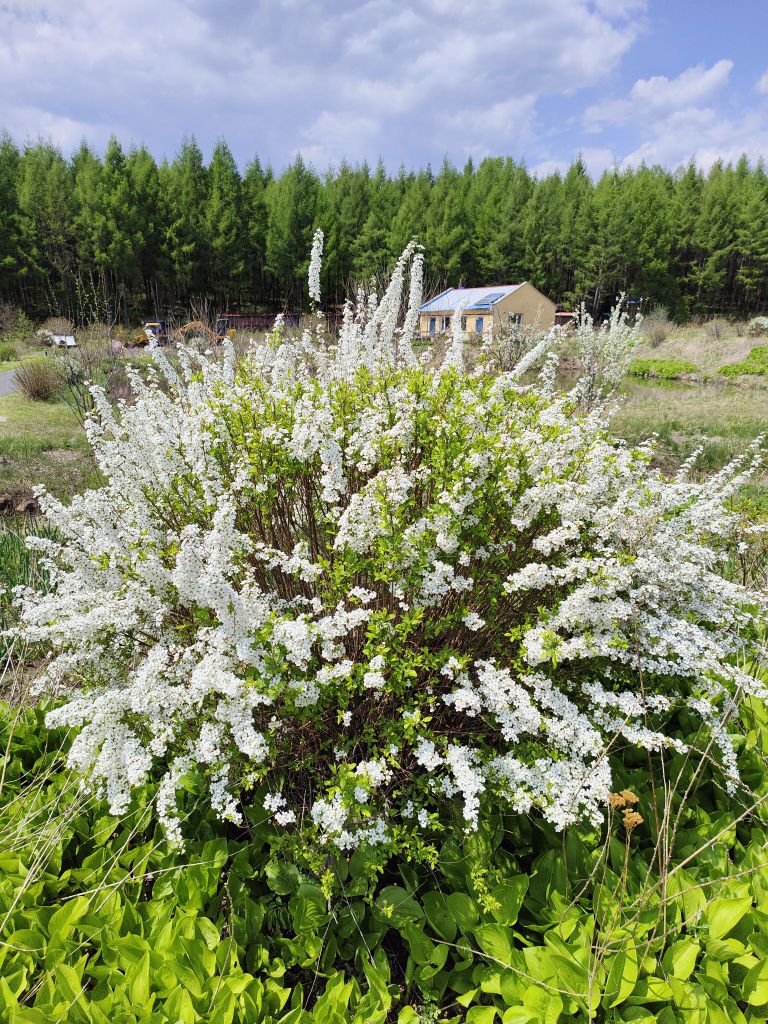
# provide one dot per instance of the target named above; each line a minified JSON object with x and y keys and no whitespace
{"x":515,"y":923}
{"x":756,"y":364}
{"x":664,"y":369}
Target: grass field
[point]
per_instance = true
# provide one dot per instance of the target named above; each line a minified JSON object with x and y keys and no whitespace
{"x":42,"y":442}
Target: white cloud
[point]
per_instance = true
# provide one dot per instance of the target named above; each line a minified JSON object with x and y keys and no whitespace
{"x":659,"y":94}
{"x":341,"y":78}
{"x":762,"y":84}
{"x":703,"y":135}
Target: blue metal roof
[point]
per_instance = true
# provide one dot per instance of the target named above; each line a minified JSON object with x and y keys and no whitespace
{"x":468,"y":298}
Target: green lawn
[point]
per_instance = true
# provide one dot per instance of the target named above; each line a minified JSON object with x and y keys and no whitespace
{"x":42,"y":442}
{"x":722,"y":418}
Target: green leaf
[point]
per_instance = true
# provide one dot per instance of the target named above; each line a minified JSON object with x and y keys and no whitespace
{"x":680,"y":959}
{"x":398,"y":907}
{"x":755,"y":985}
{"x":421,"y":947}
{"x":464,"y":910}
{"x":481,"y":1015}
{"x":496,"y":941}
{"x":407,"y":1016}
{"x":723,"y":914}
{"x":68,"y":983}
{"x":510,"y":896}
{"x":282,"y":877}
{"x":622,"y":978}
{"x":439,"y":915}
{"x":308,"y":909}
{"x":65,"y":917}
{"x":178,"y":1006}
{"x":137,"y":978}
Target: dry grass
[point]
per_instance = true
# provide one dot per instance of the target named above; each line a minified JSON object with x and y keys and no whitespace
{"x":694,"y":345}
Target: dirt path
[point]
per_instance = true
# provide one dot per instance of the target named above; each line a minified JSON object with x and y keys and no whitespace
{"x":7,"y":382}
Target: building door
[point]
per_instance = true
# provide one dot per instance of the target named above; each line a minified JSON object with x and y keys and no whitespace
{"x":479,"y":324}
{"x":432,"y":325}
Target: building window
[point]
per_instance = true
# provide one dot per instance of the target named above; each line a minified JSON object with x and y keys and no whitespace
{"x":446,"y":323}
{"x":463,"y":323}
{"x":515,"y":319}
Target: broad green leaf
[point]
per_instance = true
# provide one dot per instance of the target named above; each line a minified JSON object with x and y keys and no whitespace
{"x":481,"y":1015}
{"x":283,"y":877}
{"x":496,"y":941}
{"x":68,"y":983}
{"x":65,"y":917}
{"x":680,"y":959}
{"x":398,"y":907}
{"x":178,"y":1006}
{"x":137,"y":978}
{"x":439,"y":915}
{"x":308,"y":909}
{"x":420,"y":946}
{"x":755,"y":985}
{"x":546,"y":1006}
{"x":407,"y":1016}
{"x":510,"y":897}
{"x":724,"y":914}
{"x":464,"y":909}
{"x":622,"y":978}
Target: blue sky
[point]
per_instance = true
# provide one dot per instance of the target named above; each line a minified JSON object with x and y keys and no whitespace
{"x":540,"y":80}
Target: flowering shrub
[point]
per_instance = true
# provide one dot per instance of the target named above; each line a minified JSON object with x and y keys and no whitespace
{"x":605,"y":353}
{"x":757,"y":326}
{"x":378,"y":598}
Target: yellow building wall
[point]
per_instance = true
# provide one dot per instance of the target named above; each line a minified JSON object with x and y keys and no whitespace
{"x":526,"y":300}
{"x":530,"y":302}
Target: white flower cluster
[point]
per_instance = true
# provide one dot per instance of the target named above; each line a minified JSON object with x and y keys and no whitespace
{"x":353,"y":586}
{"x":315,"y":264}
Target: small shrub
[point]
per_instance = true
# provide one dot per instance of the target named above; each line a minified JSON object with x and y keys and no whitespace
{"x":758,"y":327}
{"x":656,"y":325}
{"x":9,"y":317}
{"x":605,"y":353}
{"x":39,"y":379}
{"x":756,"y":364}
{"x":663,"y":369}
{"x":715,"y":329}
{"x":57,"y":325}
{"x":7,"y":352}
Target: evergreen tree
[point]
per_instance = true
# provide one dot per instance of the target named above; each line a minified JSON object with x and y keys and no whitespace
{"x":370,"y":251}
{"x":187,"y":237}
{"x":291,"y":203}
{"x":45,"y":204}
{"x":448,"y":235}
{"x":541,"y":235}
{"x":11,"y":258}
{"x":125,"y":234}
{"x":152,"y":221}
{"x":752,"y":240}
{"x":226,"y":225}
{"x":343,"y":208}
{"x":255,"y":183}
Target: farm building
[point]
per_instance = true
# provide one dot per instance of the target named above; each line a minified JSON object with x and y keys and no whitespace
{"x":485,"y":310}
